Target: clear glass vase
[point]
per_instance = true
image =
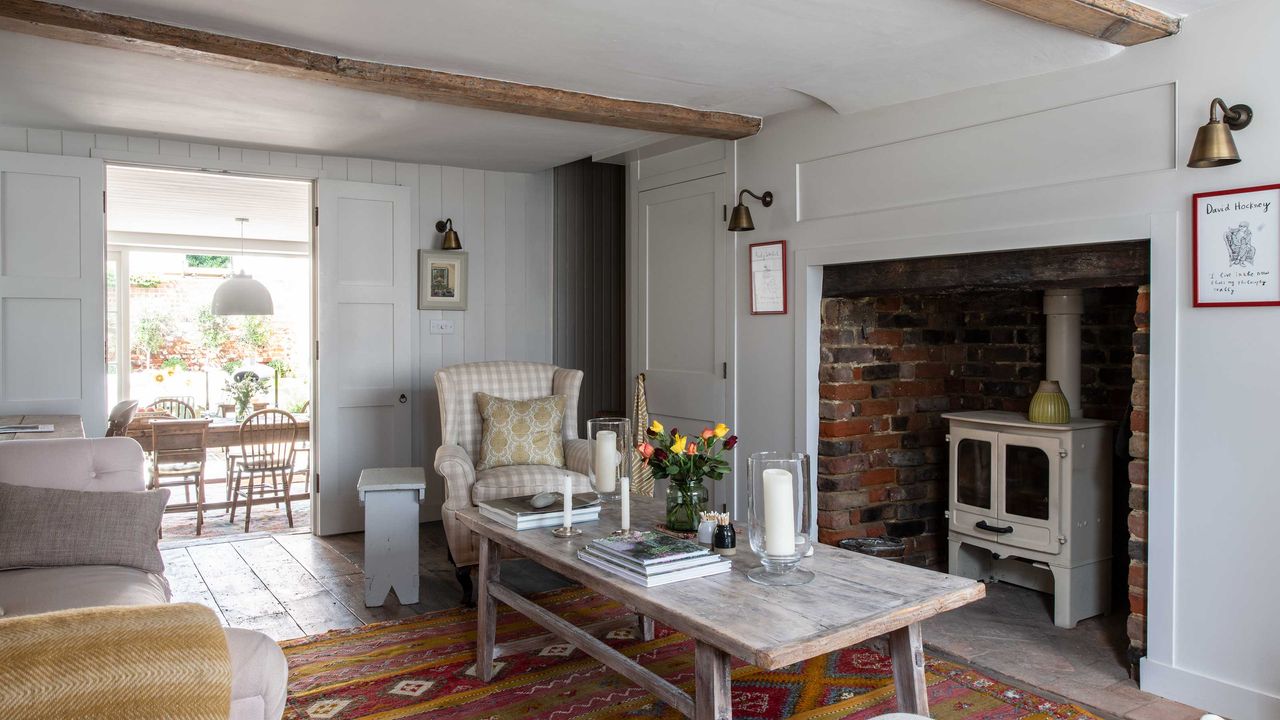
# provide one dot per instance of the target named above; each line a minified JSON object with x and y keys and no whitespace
{"x":779,"y":517}
{"x":686,"y":500}
{"x":611,"y":448}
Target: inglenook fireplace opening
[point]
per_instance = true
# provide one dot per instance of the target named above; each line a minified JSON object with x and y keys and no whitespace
{"x":907,"y":343}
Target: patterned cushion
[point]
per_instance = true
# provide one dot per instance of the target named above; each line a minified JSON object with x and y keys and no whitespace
{"x":521,"y":432}
{"x":516,"y":480}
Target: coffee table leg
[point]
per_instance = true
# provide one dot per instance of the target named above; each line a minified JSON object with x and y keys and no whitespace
{"x":486,"y":615}
{"x":646,"y":627}
{"x":906,"y":647}
{"x":711,"y":697}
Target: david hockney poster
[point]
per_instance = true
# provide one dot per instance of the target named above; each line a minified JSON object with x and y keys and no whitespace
{"x":1236,"y":247}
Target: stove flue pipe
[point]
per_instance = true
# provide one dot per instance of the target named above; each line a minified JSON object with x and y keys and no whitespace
{"x":1062,"y":309}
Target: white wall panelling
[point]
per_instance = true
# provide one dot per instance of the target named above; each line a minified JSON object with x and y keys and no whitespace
{"x":51,"y":279}
{"x":1058,"y":145}
{"x":505,"y":223}
{"x":1211,"y":615}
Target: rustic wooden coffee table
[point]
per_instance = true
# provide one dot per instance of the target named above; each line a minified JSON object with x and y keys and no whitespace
{"x":853,"y":598}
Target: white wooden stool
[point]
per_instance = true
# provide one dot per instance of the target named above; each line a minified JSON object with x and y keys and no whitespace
{"x":390,"y":497}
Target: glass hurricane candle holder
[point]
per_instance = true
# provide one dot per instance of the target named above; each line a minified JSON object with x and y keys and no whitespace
{"x":778,"y":517}
{"x":611,"y":450}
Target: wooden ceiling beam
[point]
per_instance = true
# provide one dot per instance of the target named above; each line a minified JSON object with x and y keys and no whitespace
{"x":61,"y":22}
{"x":1121,"y":22}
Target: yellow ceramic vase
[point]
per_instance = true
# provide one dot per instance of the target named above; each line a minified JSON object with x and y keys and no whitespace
{"x":1049,"y":405}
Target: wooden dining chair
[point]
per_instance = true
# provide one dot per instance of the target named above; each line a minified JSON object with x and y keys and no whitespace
{"x":179,"y":409}
{"x":178,"y":451}
{"x":120,"y":417}
{"x":268,"y":441}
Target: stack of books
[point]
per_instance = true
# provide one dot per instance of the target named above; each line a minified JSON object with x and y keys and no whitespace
{"x":519,"y":513}
{"x":651,"y":559}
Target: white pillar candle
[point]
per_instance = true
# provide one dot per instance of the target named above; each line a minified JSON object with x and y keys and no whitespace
{"x":568,"y":501}
{"x":625,"y":483}
{"x":779,"y":513}
{"x":606,"y":465}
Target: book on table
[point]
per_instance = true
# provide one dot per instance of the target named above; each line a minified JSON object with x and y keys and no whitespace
{"x":645,"y":549}
{"x":710,"y":565}
{"x":520,"y":514}
{"x":652,"y":559}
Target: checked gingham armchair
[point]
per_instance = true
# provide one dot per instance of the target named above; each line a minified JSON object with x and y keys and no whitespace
{"x":461,"y":427}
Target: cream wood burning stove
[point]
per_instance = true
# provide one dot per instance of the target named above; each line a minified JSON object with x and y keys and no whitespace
{"x":1030,"y":504}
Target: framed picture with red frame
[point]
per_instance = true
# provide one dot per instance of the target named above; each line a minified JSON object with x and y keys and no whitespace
{"x":1235,"y":247}
{"x":768,"y":277}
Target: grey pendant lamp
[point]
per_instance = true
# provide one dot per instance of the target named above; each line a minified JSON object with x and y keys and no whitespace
{"x":240,"y":294}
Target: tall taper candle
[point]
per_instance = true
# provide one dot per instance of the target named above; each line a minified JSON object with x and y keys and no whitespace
{"x":779,"y":513}
{"x":568,"y":501}
{"x":606,"y":461}
{"x":625,"y":483}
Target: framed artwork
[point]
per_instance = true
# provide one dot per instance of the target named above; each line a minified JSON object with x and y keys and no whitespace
{"x":1235,"y":247}
{"x":442,"y":280}
{"x":768,"y":277}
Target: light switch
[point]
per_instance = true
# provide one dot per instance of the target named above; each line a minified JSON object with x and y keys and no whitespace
{"x":441,"y":327}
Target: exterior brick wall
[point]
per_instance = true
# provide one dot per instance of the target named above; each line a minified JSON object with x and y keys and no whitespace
{"x":891,"y":366}
{"x":1138,"y":480}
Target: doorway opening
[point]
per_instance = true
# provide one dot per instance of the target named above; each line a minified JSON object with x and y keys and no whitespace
{"x":174,"y":237}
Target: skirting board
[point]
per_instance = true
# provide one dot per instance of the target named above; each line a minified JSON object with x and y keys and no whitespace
{"x":1207,"y":693}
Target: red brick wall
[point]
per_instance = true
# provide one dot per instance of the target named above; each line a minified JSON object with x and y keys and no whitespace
{"x":892,"y":365}
{"x":1137,"y":626}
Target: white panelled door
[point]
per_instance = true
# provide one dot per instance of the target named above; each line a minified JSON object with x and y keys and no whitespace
{"x":684,"y":318}
{"x":52,"y":250}
{"x":365,"y":303}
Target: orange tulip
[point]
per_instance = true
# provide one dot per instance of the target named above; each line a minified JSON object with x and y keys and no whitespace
{"x":691,"y":449}
{"x":646,"y":450}
{"x":708,"y":433}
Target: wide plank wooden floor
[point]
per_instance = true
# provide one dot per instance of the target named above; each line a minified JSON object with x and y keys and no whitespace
{"x":295,"y":584}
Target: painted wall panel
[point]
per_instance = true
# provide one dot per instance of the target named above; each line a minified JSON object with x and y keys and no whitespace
{"x":1058,"y":145}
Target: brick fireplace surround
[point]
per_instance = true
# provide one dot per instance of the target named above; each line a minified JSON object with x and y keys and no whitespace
{"x":893,"y":362}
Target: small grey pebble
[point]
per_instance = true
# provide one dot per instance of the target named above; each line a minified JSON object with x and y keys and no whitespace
{"x":545,"y":499}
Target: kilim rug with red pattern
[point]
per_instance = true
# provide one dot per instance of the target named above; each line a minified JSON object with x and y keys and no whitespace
{"x":424,"y":667}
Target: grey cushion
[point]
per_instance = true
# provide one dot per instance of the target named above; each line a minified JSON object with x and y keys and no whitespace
{"x":47,"y":527}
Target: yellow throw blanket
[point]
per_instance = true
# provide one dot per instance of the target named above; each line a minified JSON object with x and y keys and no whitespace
{"x":138,"y":662}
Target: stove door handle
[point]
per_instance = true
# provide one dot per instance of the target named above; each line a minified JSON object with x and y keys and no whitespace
{"x":982,"y":525}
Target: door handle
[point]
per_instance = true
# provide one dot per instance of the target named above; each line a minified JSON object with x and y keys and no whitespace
{"x":982,"y":525}
{"x":403,"y":398}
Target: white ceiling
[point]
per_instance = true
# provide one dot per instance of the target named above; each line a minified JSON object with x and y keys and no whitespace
{"x":147,"y":200}
{"x":758,"y":57}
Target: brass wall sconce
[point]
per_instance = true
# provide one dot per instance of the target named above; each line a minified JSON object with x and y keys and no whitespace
{"x":451,"y":239}
{"x":1214,"y":146}
{"x":740,"y":220}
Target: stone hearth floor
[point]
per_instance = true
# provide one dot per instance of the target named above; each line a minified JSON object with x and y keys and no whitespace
{"x":1011,"y":633}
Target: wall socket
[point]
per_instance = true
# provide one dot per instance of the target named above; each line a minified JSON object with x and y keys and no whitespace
{"x":441,"y":327}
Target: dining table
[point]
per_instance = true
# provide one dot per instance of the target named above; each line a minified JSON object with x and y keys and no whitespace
{"x":224,"y":432}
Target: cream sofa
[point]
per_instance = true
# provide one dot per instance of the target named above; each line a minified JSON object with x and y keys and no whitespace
{"x":259,"y":671}
{"x":461,"y":427}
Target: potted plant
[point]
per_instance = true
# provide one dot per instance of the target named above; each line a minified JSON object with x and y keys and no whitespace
{"x":686,"y":462}
{"x":243,"y":391}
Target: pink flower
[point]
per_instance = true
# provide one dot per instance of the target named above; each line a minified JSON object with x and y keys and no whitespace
{"x":691,"y":449}
{"x":646,"y":450}
{"x":708,"y":433}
